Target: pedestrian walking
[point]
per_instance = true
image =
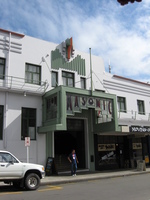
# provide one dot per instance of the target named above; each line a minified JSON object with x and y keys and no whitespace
{"x":73,"y":160}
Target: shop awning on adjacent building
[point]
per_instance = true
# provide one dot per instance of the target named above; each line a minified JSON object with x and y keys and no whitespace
{"x":129,"y":134}
{"x":132,"y":122}
{"x":130,"y":127}
{"x":114,"y":133}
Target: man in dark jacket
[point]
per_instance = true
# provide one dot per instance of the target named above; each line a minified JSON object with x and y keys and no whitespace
{"x":73,"y":160}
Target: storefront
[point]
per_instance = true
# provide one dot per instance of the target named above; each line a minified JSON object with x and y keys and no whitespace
{"x":140,"y":144}
{"x":120,"y":150}
{"x":71,"y":117}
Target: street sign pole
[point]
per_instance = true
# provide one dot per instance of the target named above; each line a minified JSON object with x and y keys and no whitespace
{"x":27,"y":144}
{"x":27,"y":154}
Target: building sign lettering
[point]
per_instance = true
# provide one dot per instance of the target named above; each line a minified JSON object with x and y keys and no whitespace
{"x":137,"y":145}
{"x":82,"y":102}
{"x":106,"y":147}
{"x":141,"y":129}
{"x":77,"y":103}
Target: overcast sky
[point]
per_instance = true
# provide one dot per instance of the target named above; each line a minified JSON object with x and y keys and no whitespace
{"x":117,"y":33}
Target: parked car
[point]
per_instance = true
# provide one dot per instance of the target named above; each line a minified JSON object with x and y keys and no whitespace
{"x":20,"y":174}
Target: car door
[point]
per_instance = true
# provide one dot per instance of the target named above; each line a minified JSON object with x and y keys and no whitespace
{"x":10,"y":167}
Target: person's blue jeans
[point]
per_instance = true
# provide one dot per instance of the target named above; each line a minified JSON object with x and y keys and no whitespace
{"x":73,"y":168}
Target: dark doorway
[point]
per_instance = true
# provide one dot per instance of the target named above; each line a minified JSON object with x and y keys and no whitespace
{"x":65,"y":141}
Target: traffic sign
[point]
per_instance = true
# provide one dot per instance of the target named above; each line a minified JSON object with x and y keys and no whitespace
{"x":27,"y":141}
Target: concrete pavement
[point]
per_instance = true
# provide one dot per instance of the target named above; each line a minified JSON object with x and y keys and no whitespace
{"x":87,"y":176}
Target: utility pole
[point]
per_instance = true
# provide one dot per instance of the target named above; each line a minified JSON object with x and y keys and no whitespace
{"x":91,"y":72}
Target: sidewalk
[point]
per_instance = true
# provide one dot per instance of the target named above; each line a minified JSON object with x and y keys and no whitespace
{"x":87,"y":176}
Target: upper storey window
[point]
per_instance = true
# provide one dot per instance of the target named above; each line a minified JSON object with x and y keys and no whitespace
{"x":83,"y":83}
{"x":33,"y":74}
{"x":1,"y":121}
{"x":54,"y":80}
{"x":121,"y":104}
{"x":140,"y":105}
{"x":2,"y":68}
{"x":68,"y":79}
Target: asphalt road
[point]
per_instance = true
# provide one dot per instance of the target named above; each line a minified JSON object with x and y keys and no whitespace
{"x":135,"y":187}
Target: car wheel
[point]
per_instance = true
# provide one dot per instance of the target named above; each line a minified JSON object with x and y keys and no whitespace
{"x":32,"y":181}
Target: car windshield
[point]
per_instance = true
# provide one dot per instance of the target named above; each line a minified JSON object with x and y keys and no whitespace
{"x":7,"y":158}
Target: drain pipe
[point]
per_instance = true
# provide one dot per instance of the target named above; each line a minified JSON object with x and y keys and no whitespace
{"x":6,"y":96}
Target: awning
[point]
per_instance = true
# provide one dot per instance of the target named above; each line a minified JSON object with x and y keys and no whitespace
{"x":132,"y":122}
{"x":115,"y":133}
{"x":129,"y":134}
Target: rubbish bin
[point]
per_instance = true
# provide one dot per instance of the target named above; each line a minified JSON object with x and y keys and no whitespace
{"x":141,"y":166}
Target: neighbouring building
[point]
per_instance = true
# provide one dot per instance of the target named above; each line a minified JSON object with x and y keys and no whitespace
{"x":62,"y":99}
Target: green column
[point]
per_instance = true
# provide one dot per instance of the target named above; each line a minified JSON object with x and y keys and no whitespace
{"x":49,"y":144}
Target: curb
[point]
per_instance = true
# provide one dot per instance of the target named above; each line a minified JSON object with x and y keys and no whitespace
{"x":88,"y":178}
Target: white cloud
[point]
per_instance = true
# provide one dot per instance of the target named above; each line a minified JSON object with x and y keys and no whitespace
{"x":121,"y":34}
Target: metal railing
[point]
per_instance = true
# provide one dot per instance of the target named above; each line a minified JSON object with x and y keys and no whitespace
{"x":21,"y":84}
{"x":131,"y":114}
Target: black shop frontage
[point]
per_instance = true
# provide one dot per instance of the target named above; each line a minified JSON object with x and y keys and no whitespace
{"x":122,"y":150}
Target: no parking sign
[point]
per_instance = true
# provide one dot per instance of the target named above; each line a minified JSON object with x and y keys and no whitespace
{"x":27,"y":141}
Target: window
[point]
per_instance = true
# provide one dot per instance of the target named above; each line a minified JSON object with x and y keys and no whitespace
{"x":68,"y":79}
{"x":51,"y":108}
{"x":1,"y":121}
{"x":121,"y":104}
{"x":83,"y":83}
{"x":54,"y":81}
{"x":28,"y":127}
{"x":2,"y":68}
{"x":33,"y":74}
{"x":140,"y":105}
{"x":7,"y":158}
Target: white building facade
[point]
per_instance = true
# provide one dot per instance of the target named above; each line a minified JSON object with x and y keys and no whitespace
{"x":62,"y":99}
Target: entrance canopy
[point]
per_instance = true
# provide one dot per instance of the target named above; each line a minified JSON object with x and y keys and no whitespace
{"x":132,"y":122}
{"x":61,"y":102}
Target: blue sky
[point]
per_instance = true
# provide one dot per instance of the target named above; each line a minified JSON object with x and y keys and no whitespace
{"x":117,"y":33}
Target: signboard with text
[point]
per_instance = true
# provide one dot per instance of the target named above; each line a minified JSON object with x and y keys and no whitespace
{"x":27,"y":141}
{"x":106,"y":147}
{"x":141,"y":129}
{"x":103,"y":107}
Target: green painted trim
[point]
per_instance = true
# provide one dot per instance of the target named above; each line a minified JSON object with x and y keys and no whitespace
{"x":117,"y":128}
{"x":109,"y":126}
{"x":48,"y":144}
{"x":77,"y":64}
{"x":88,"y":114}
{"x":57,"y":127}
{"x":60,"y":122}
